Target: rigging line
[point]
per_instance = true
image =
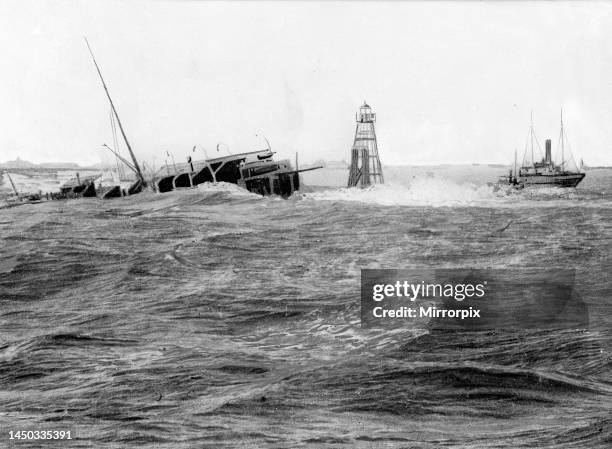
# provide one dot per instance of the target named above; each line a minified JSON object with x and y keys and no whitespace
{"x":534,"y":136}
{"x":114,"y":131}
{"x":532,"y":133}
{"x":559,"y":144}
{"x":526,"y":146}
{"x":569,"y":146}
{"x":112,"y":124}
{"x":110,"y":117}
{"x":122,"y":159}
{"x":538,"y":144}
{"x":115,"y":142}
{"x":120,"y":169}
{"x":559,"y":155}
{"x":562,"y":143}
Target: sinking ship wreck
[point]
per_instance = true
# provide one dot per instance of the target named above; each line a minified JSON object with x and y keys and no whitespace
{"x":96,"y":186}
{"x":546,"y":172}
{"x":77,"y":187}
{"x":220,"y":169}
{"x":17,"y":198}
{"x":268,"y":177}
{"x":255,"y":171}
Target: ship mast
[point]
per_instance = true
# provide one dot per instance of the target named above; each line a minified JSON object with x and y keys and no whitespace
{"x":13,"y":184}
{"x":515,"y":173}
{"x":120,"y":170}
{"x":562,"y":144}
{"x":136,"y":167}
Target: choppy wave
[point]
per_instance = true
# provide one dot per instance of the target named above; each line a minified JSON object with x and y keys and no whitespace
{"x":214,"y":315}
{"x":437,"y":192}
{"x":420,"y":192}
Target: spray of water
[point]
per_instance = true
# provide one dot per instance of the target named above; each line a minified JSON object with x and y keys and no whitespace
{"x":421,"y":192}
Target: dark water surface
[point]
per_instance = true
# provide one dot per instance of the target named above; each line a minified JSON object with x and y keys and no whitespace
{"x":215,"y":318}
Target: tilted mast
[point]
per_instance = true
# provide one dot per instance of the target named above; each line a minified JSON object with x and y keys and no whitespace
{"x":136,"y":167}
{"x":13,"y":184}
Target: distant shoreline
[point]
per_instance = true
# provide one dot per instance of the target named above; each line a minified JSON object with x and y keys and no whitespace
{"x":20,"y":165}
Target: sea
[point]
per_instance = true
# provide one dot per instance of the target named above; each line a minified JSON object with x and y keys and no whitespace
{"x":213,"y":317}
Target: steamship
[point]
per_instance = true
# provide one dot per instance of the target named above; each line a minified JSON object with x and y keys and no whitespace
{"x":546,"y":172}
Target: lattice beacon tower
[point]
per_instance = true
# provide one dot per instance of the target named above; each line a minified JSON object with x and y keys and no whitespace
{"x":365,"y":164}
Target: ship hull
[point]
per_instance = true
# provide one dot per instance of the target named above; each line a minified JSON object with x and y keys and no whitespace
{"x":561,"y":180}
{"x":109,"y":192}
{"x":165,"y":184}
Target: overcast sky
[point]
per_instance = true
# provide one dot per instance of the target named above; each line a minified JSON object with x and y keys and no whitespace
{"x":451,"y":82}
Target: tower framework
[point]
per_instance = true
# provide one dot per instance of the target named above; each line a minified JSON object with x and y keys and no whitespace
{"x":365,"y":164}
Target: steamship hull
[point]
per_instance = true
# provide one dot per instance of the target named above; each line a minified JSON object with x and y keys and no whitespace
{"x":220,"y":169}
{"x":552,"y":180}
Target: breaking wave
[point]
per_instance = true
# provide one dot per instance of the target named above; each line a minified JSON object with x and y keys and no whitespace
{"x":237,"y":316}
{"x":421,"y":192}
{"x":440,"y":192}
{"x":224,"y":187}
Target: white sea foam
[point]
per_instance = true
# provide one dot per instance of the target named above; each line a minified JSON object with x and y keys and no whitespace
{"x":421,"y":192}
{"x":224,"y":187}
